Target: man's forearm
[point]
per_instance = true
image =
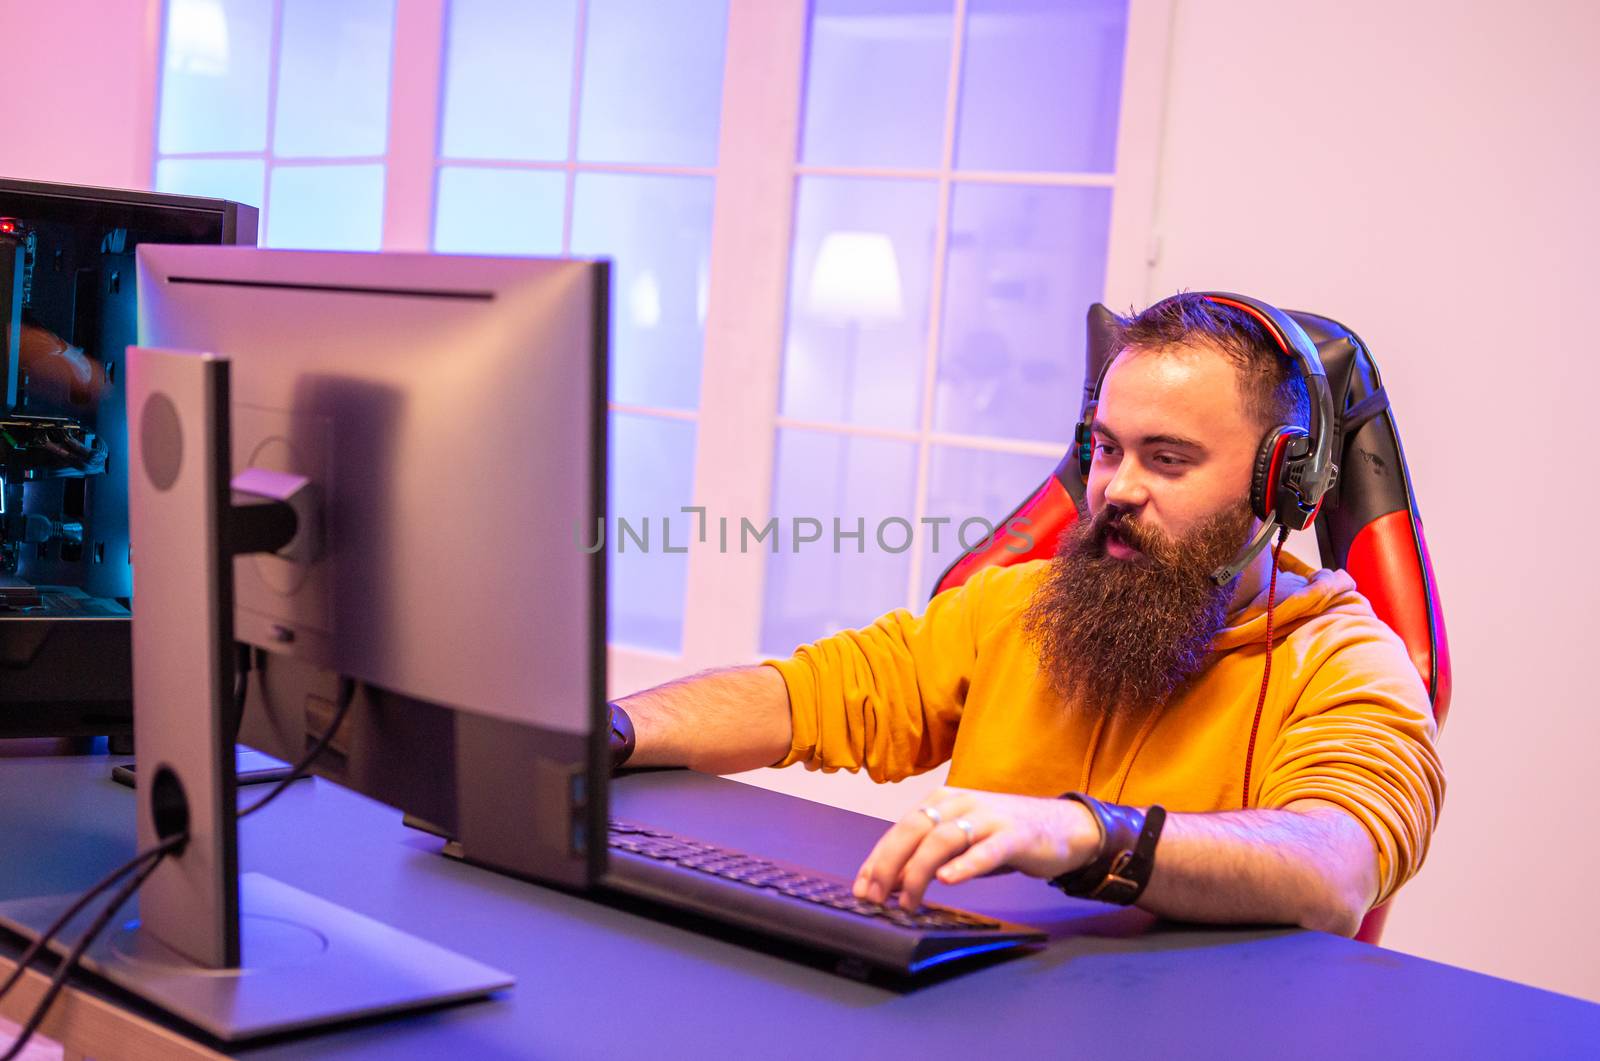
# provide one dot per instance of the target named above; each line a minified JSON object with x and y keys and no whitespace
{"x":1313,"y":865}
{"x":718,"y":722}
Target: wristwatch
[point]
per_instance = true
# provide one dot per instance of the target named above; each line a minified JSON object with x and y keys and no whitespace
{"x":621,"y":735}
{"x":1120,"y":872}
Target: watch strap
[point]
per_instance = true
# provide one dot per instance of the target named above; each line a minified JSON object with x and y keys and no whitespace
{"x":1121,"y":870}
{"x":622,"y":737}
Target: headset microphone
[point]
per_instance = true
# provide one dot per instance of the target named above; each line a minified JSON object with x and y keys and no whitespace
{"x":1224,"y":575}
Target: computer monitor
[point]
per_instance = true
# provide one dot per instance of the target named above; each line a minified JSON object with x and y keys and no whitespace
{"x":436,"y":425}
{"x":67,"y":313}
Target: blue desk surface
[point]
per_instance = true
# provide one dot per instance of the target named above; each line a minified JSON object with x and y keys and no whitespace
{"x":599,"y":980}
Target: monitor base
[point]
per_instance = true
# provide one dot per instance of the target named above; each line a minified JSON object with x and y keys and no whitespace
{"x":308,"y":963}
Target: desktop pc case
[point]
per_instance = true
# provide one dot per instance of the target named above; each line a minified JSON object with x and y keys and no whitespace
{"x":68,"y":292}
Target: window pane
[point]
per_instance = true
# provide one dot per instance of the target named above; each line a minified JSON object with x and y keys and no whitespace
{"x":214,"y":76}
{"x":652,"y":81}
{"x":977,"y":489}
{"x":239,"y":179}
{"x":326,"y":208}
{"x":333,"y":78}
{"x":858,"y":301}
{"x":651,"y":480}
{"x":1025,"y":264}
{"x":658,"y":231}
{"x":508,"y":79}
{"x":876,"y":80}
{"x":499,"y":211}
{"x":836,"y":582}
{"x":1041,"y":85}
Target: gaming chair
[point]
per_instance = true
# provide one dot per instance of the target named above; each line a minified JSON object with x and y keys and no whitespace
{"x":1368,"y":524}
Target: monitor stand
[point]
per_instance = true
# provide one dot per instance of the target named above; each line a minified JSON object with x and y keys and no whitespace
{"x":237,"y":957}
{"x":308,"y":963}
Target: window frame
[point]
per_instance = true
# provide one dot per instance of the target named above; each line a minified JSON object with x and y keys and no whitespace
{"x":756,"y":178}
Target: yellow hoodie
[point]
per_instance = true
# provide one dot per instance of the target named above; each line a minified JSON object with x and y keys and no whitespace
{"x":1347,"y":719}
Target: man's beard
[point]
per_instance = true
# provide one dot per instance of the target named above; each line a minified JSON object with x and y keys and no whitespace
{"x":1119,"y":637}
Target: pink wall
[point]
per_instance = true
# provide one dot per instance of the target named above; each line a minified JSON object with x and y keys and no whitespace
{"x":77,"y":90}
{"x":1426,"y":172}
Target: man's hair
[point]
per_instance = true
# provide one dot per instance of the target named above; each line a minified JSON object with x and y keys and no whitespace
{"x":1272,"y":388}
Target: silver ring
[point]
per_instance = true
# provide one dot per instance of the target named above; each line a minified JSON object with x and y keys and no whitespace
{"x":933,"y":815}
{"x":966,"y":829}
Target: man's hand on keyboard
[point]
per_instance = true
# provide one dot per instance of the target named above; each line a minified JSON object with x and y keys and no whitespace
{"x":958,"y":834}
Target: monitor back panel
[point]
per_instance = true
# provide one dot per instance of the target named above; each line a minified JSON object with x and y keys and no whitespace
{"x":451,"y":410}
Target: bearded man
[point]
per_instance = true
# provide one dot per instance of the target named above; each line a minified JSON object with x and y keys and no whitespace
{"x":1121,"y":671}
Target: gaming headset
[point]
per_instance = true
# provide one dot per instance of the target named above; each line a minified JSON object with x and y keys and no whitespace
{"x":1294,"y":468}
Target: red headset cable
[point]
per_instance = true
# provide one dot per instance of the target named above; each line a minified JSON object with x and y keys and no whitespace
{"x":1266,"y":670}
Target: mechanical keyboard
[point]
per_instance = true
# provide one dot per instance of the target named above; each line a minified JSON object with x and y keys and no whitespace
{"x":798,"y":905}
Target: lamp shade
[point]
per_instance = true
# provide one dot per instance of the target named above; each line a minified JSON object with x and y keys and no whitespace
{"x":856,"y":277}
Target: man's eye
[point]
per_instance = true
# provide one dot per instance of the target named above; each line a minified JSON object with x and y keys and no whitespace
{"x":1106,"y":449}
{"x":1169,"y":461}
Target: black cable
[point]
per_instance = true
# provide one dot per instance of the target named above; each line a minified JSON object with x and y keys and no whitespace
{"x":154,"y":856}
{"x":241,"y":687}
{"x":90,"y":934}
{"x":347,"y":694}
{"x":37,"y":946}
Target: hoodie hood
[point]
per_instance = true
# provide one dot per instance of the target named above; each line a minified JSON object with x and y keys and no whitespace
{"x":1303,"y":592}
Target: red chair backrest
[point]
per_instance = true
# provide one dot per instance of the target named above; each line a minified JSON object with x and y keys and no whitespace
{"x":1368,"y":525}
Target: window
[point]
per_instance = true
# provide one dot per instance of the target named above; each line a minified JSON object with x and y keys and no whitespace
{"x":853,"y":242}
{"x":282,"y":104}
{"x":590,"y":127}
{"x":952,"y":222}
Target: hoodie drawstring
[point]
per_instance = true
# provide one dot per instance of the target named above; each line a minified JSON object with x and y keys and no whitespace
{"x":1266,"y":670}
{"x":1126,"y":768}
{"x":1088,"y":759}
{"x":1120,"y":778}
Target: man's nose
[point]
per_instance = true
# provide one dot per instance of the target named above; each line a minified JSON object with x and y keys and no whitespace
{"x":1126,"y":488}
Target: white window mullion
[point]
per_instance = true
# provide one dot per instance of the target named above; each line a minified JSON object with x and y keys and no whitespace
{"x":638,"y":168}
{"x":659,"y":412}
{"x":208,"y":156}
{"x":416,"y":85}
{"x":1046,"y":180}
{"x":305,"y":160}
{"x":1132,"y":253}
{"x":745,"y":316}
{"x":574,"y":113}
{"x":274,"y":61}
{"x":1066,"y":180}
{"x":916,"y":593}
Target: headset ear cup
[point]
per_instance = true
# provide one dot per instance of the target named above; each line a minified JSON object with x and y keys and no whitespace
{"x":1084,"y":441}
{"x":1263,"y":479}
